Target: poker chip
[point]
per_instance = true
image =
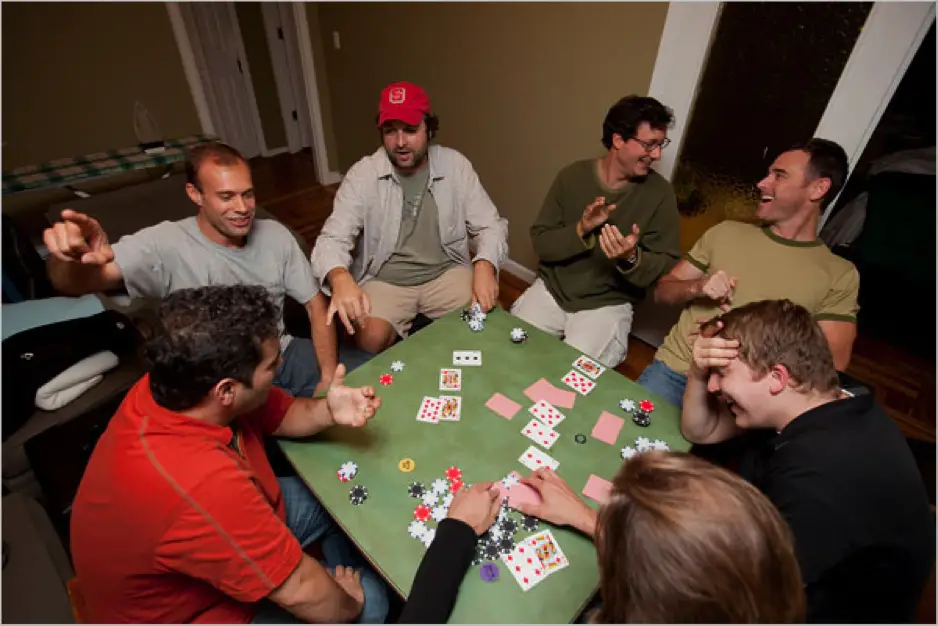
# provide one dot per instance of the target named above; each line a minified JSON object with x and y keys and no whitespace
{"x":357,"y":494}
{"x":406,"y":465}
{"x":478,"y":557}
{"x":641,"y":418}
{"x":647,"y":406}
{"x":429,"y":499}
{"x":489,"y":572}
{"x":627,"y":405}
{"x":509,"y":526}
{"x":659,"y":444}
{"x":348,"y":471}
{"x":417,"y":529}
{"x":642,"y":444}
{"x":510,"y":481}
{"x":495,"y":534}
{"x":628,"y":452}
{"x":397,"y":366}
{"x":455,"y":486}
{"x":439,"y":486}
{"x":385,"y":379}
{"x":429,"y":536}
{"x":518,"y":335}
{"x":422,"y":513}
{"x":476,"y":325}
{"x":453,"y":473}
{"x":439,"y":513}
{"x":580,"y":438}
{"x":529,"y":523}
{"x":447,"y":500}
{"x":506,"y":545}
{"x":476,"y":311}
{"x":492,"y":551}
{"x":416,"y":490}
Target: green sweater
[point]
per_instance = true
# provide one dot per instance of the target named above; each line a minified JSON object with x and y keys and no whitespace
{"x":575,"y":270}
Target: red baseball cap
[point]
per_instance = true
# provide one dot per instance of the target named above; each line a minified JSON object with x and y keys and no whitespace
{"x":406,"y":102}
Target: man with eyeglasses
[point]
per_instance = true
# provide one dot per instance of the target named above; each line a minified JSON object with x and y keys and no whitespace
{"x":607,"y":230}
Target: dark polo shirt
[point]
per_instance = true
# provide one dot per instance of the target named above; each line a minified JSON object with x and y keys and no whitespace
{"x":843,"y":477}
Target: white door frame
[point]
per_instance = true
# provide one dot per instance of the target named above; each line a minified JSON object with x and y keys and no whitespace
{"x":291,"y":87}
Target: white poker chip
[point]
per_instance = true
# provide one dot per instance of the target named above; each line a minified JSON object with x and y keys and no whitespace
{"x":476,"y":311}
{"x":643,"y":444}
{"x":628,"y":452}
{"x":348,"y":471}
{"x":658,"y":444}
{"x":447,"y":500}
{"x":439,"y":486}
{"x":627,"y":405}
{"x":476,"y":325}
{"x":429,"y":536}
{"x":397,"y":366}
{"x":439,"y":513}
{"x":496,"y":532}
{"x":510,"y":481}
{"x":417,"y":529}
{"x":518,"y":334}
{"x":430,"y":499}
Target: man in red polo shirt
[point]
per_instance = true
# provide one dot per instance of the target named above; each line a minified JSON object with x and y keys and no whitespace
{"x":179,"y":516}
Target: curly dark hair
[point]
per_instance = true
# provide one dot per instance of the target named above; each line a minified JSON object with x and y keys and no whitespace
{"x":626,"y":115}
{"x":827,"y":160}
{"x":205,"y":335}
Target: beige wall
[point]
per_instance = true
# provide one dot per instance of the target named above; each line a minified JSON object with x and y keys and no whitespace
{"x":72,"y":71}
{"x":520,"y":88}
{"x":251,"y":24}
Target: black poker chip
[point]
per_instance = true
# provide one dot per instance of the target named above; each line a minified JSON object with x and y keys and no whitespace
{"x":479,"y":555}
{"x":580,"y":438}
{"x":506,"y":545}
{"x":492,"y":551}
{"x":486,"y":538}
{"x":641,"y":418}
{"x":509,"y":526}
{"x":358,"y":494}
{"x":416,"y":490}
{"x":529,"y":523}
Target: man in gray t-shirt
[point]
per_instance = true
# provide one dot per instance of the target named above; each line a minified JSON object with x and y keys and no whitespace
{"x":222,"y":245}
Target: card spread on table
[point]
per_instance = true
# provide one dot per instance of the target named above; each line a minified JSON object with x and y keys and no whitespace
{"x":524,"y":565}
{"x":467,"y":357}
{"x":543,"y":411}
{"x":450,"y":380}
{"x":450,"y":409}
{"x":540,"y":433}
{"x":579,"y":382}
{"x":589,"y":367}
{"x":543,"y":390}
{"x":607,"y":428}
{"x":548,"y":551}
{"x":534,"y":458}
{"x":430,"y":410}
{"x":597,"y":488}
{"x":503,"y":405}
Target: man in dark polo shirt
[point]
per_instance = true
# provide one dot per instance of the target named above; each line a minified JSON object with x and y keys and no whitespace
{"x":836,"y":466}
{"x":179,"y":517}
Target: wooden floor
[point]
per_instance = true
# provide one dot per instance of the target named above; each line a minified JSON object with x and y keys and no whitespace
{"x":286,"y":186}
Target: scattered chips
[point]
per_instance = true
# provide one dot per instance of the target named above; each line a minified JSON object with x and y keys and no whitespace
{"x":348,"y":471}
{"x":491,"y":551}
{"x":429,"y":536}
{"x":422,"y":513}
{"x":476,"y":325}
{"x":416,"y":490}
{"x":489,"y":572}
{"x":518,"y":335}
{"x":406,"y":465}
{"x":439,"y":513}
{"x":417,"y":529}
{"x":439,"y":486}
{"x":508,"y":526}
{"x":627,"y":405}
{"x":455,"y":486}
{"x":385,"y":379}
{"x":642,"y":444}
{"x":447,"y":500}
{"x":474,"y":317}
{"x":659,"y":444}
{"x":453,"y":473}
{"x":580,"y":438}
{"x":397,"y":366}
{"x":429,"y":498}
{"x":628,"y":452}
{"x":647,"y":406}
{"x":529,"y":523}
{"x":357,"y":494}
{"x":506,"y":545}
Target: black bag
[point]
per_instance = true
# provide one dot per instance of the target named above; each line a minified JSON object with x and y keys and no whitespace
{"x":24,"y":272}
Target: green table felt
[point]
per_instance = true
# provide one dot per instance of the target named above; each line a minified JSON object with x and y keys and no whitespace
{"x":483,"y":445}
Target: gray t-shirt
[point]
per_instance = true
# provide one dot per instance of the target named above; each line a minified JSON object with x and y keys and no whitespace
{"x":161,"y":259}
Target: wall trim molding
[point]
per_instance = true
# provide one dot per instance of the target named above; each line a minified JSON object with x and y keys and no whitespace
{"x":512,"y":266}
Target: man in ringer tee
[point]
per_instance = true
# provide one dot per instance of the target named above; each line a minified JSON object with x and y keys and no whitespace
{"x":608,"y":229}
{"x":179,"y":517}
{"x":734,"y":264}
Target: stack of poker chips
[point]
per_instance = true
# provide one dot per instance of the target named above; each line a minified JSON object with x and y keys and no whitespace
{"x":518,"y":335}
{"x":474,"y":317}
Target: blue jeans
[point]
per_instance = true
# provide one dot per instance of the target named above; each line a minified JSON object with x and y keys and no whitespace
{"x":299,"y":373}
{"x":308,"y":520}
{"x":662,"y":380}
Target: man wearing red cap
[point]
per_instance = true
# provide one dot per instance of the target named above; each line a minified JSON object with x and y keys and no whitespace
{"x":408,"y":211}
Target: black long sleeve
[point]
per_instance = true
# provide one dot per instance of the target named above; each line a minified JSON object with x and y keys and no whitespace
{"x":436,"y":585}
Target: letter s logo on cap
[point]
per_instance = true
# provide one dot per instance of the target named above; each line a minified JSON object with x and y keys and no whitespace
{"x":396,"y":95}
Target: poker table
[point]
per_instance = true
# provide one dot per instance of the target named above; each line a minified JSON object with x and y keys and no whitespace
{"x":484,"y":445}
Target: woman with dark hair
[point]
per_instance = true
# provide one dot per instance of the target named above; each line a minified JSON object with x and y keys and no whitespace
{"x":682,"y":541}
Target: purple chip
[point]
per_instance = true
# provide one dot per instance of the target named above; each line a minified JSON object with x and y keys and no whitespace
{"x":489,"y":572}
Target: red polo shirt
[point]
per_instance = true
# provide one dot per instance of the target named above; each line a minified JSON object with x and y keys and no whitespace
{"x":172,"y":524}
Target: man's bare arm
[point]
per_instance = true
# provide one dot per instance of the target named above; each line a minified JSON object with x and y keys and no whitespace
{"x":681,"y":285}
{"x":705,"y":417}
{"x":840,"y":336}
{"x":325,"y":337}
{"x":77,"y":279}
{"x":312,"y":595}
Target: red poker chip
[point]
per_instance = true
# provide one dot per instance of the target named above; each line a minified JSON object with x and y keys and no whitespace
{"x":455,"y":486}
{"x":422,"y":513}
{"x":343,"y":477}
{"x":646,"y":405}
{"x":453,"y":473}
{"x":385,"y":379}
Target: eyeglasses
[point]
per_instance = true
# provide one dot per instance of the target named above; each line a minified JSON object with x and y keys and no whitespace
{"x":651,"y":145}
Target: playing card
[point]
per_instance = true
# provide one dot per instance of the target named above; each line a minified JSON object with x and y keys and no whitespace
{"x":450,"y":408}
{"x":543,"y":411}
{"x":580,"y":383}
{"x":506,"y":407}
{"x":429,"y":410}
{"x":534,"y":458}
{"x":539,"y":433}
{"x":524,"y":565}
{"x":517,"y":492}
{"x":548,"y":551}
{"x":467,"y":357}
{"x":597,"y":489}
{"x":589,"y":367}
{"x":450,"y":380}
{"x":607,"y":428}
